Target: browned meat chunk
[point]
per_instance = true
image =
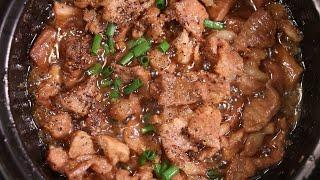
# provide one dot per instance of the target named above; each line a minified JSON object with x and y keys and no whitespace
{"x":86,"y":3}
{"x":43,"y":47}
{"x":176,"y":145}
{"x":123,"y":11}
{"x":67,"y":17}
{"x":77,"y":168}
{"x":154,"y":22}
{"x":93,"y":20}
{"x":192,"y":87}
{"x":57,"y":158}
{"x":204,"y":126}
{"x":184,"y":48}
{"x":218,"y":9}
{"x":290,"y":66}
{"x":80,"y":99}
{"x":50,"y":87}
{"x":178,"y":90}
{"x":259,"y":31}
{"x":81,"y":144}
{"x":241,"y":168}
{"x":75,"y":50}
{"x":158,"y":60}
{"x":254,"y":79}
{"x":191,"y":14}
{"x":230,"y":63}
{"x":276,"y":74}
{"x":259,"y":112}
{"x":59,"y":125}
{"x":134,"y":138}
{"x":115,"y":150}
{"x":124,"y":108}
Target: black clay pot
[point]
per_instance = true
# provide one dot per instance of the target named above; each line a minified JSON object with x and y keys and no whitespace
{"x":22,"y":153}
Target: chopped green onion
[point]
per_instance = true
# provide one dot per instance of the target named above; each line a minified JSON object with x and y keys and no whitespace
{"x":161,"y":4}
{"x":147,"y":155}
{"x":96,"y":43}
{"x":149,"y":128}
{"x":213,"y":24}
{"x":114,"y":95}
{"x":141,"y":49}
{"x":95,"y":69}
{"x":134,"y":43}
{"x":146,"y":117}
{"x":135,"y":85}
{"x":164,"y":46}
{"x":111,"y":45}
{"x":126,"y":59}
{"x":105,"y":83}
{"x":106,"y":49}
{"x":117,"y":83}
{"x":111,"y":29}
{"x":213,"y":174}
{"x":144,"y":61}
{"x":106,"y":71}
{"x":160,"y":168}
{"x":170,"y":172}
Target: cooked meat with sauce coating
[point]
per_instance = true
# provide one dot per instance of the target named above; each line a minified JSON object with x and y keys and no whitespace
{"x":177,"y":89}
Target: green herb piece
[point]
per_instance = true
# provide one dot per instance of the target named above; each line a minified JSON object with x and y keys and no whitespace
{"x":96,"y":44}
{"x":147,"y":155}
{"x":114,"y":95}
{"x":141,"y":49}
{"x":213,"y":24}
{"x":161,"y":4}
{"x":149,"y":128}
{"x":111,"y":29}
{"x":134,"y":43}
{"x":126,"y":59}
{"x":106,"y":71}
{"x":105,"y":83}
{"x":170,"y":172}
{"x":164,"y":46}
{"x":117,"y":83}
{"x":95,"y":69}
{"x":213,"y":174}
{"x":135,"y":85}
{"x":144,"y":61}
{"x":111,"y":45}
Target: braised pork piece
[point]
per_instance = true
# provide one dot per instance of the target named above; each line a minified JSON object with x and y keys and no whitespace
{"x":177,"y":89}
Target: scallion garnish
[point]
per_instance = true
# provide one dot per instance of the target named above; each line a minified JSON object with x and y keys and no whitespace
{"x":164,"y":46}
{"x":141,"y":49}
{"x":135,"y":85}
{"x":105,"y":83}
{"x":95,"y":69}
{"x":111,"y":45}
{"x":111,"y":29}
{"x":161,"y":4}
{"x":126,"y":59}
{"x":106,"y":71}
{"x":213,"y":174}
{"x":160,"y":168}
{"x":149,"y":128}
{"x":170,"y":172}
{"x":147,"y":155}
{"x":117,"y":83}
{"x":134,"y":43}
{"x":114,"y":95}
{"x":213,"y":24}
{"x":144,"y":61}
{"x":96,"y":44}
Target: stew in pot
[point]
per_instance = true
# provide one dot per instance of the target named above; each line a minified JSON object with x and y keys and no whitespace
{"x":156,"y":89}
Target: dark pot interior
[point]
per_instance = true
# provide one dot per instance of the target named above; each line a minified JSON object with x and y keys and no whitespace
{"x":22,"y":151}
